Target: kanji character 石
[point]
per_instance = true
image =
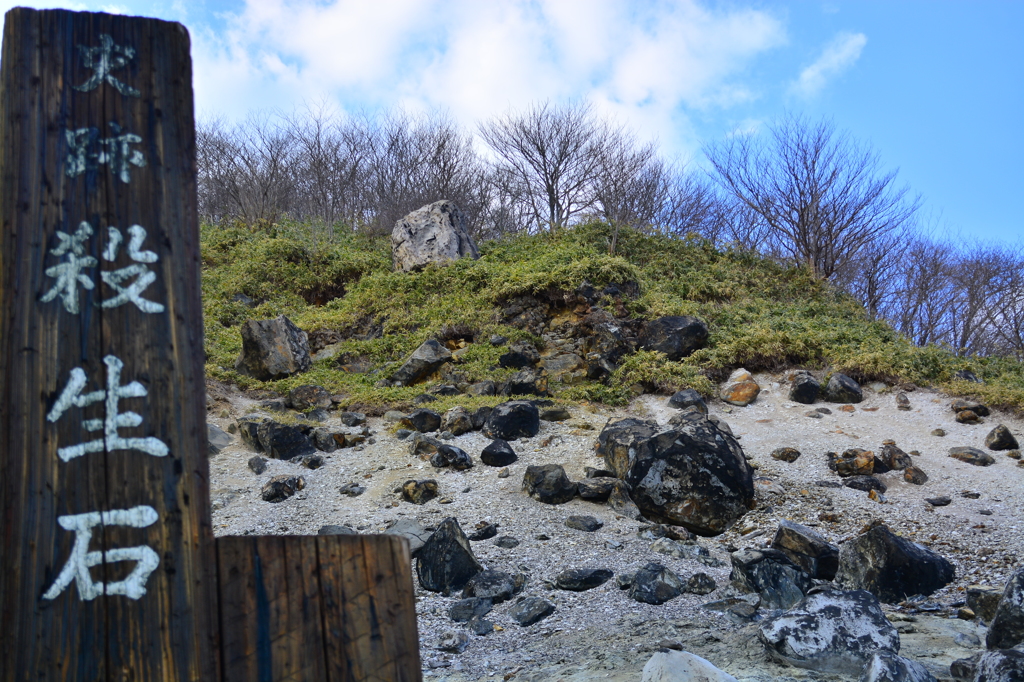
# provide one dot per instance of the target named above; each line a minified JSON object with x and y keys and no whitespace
{"x":87,"y":150}
{"x":112,"y":421}
{"x":143,"y":276}
{"x":81,"y":560}
{"x":69,"y":273}
{"x":104,"y":59}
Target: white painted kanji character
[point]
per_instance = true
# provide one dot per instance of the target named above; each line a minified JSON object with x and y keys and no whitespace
{"x":81,"y":560}
{"x":69,"y":273}
{"x":86,"y":150}
{"x":104,"y":59}
{"x":112,"y":421}
{"x":143,"y":276}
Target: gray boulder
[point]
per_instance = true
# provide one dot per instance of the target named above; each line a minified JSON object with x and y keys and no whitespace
{"x":1007,"y":627}
{"x":891,"y":567}
{"x":830,"y":631}
{"x":548,"y":483}
{"x":842,"y":389}
{"x":1000,"y":666}
{"x":513,"y":420}
{"x":446,"y":562}
{"x":531,"y":610}
{"x":682,"y":666}
{"x":886,"y":666}
{"x":804,"y":389}
{"x":655,"y":584}
{"x":273,"y":349}
{"x":423,"y":362}
{"x":217,"y":438}
{"x":436,"y":233}
{"x":693,"y":475}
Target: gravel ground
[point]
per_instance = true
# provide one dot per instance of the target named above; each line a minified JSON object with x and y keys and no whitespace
{"x":602,"y":634}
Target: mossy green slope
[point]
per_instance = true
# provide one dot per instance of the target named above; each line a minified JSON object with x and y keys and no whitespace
{"x":761,"y":314}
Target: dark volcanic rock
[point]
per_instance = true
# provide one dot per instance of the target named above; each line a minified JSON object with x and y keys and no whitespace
{"x":830,"y":631}
{"x":525,"y":382}
{"x":596,"y":488}
{"x":581,"y":579}
{"x":308,"y":397}
{"x":804,"y":389}
{"x":940,"y":501}
{"x":842,"y":389}
{"x":688,"y":397}
{"x":467,"y":609}
{"x":886,"y":666}
{"x":1000,"y":438}
{"x":555,"y":414}
{"x":972,"y":456}
{"x":334,"y":529}
{"x":780,"y":582}
{"x":422,"y":420}
{"x":273,"y":349}
{"x":512,"y":420}
{"x":655,"y":584}
{"x":280,"y":488}
{"x":700,"y":583}
{"x":531,"y":610}
{"x":977,"y":408}
{"x":480,"y":416}
{"x":915,"y":475}
{"x":423,"y":362}
{"x":498,"y":454}
{"x":457,"y":420}
{"x":352,"y":418}
{"x":786,"y":454}
{"x":865,"y":483}
{"x":419,"y":492}
{"x":1007,"y":627}
{"x":248,"y":429}
{"x":282,"y":441}
{"x":487,"y":387}
{"x":521,"y":354}
{"x":675,"y":336}
{"x":497,"y":586}
{"x":587,"y":524}
{"x":807,"y":548}
{"x":488,"y":531}
{"x":451,"y":456}
{"x":853,"y":462}
{"x":257,"y":464}
{"x":549,"y":484}
{"x":891,"y":567}
{"x":694,"y":474}
{"x":893,"y":458}
{"x":620,"y":502}
{"x":446,"y":562}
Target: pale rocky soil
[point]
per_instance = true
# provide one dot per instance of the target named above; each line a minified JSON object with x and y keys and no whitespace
{"x":602,"y":634}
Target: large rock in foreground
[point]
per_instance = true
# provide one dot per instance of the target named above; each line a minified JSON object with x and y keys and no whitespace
{"x":273,"y":349}
{"x":675,"y":336}
{"x":890,"y":567}
{"x":1007,"y":627}
{"x":446,"y":562}
{"x":680,"y":666}
{"x":771,"y":574}
{"x":691,"y":475}
{"x":436,"y":233}
{"x":830,"y":631}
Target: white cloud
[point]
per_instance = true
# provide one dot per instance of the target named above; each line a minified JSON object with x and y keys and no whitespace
{"x":838,"y":56}
{"x":640,"y":62}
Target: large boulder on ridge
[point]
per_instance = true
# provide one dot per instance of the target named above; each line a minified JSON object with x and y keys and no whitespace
{"x":891,"y":567}
{"x":273,"y":349}
{"x":436,"y":233}
{"x":676,"y":336}
{"x":691,"y":474}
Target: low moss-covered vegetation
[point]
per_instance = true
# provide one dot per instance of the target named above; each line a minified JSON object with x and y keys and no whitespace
{"x":762,"y":315}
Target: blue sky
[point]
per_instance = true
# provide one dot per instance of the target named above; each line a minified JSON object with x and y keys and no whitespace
{"x":936,"y":86}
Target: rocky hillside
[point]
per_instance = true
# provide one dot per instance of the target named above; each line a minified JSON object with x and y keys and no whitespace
{"x":672,"y":449}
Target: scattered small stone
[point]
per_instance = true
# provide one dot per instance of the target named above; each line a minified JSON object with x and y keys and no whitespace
{"x":333,"y":529}
{"x":655,"y":584}
{"x":915,"y":475}
{"x":700,"y":583}
{"x":280,"y":488}
{"x":786,"y":454}
{"x":257,"y":464}
{"x":972,"y":456}
{"x":309,"y":461}
{"x":813,"y":414}
{"x":352,"y":490}
{"x":531,"y":610}
{"x":419,"y":492}
{"x":454,"y":641}
{"x":968,"y":417}
{"x":506,"y":542}
{"x":587,"y":524}
{"x":940,"y":501}
{"x":1013,"y":454}
{"x":484,"y":532}
{"x":902,"y":402}
{"x":581,"y":579}
{"x":467,"y":609}
{"x":970,"y":494}
{"x":504,"y":473}
{"x":939,"y":432}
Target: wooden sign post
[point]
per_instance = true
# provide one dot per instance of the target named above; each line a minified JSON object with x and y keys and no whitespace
{"x":108,"y":566}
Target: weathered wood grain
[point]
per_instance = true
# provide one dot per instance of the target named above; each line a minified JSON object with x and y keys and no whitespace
{"x":335,"y":608}
{"x":170,"y":632}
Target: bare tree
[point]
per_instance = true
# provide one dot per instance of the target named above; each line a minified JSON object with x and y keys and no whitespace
{"x":548,"y":156}
{"x":821,"y":195}
{"x":1006,"y":311}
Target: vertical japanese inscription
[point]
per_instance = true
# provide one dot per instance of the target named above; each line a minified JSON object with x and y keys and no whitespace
{"x":106,"y":571}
